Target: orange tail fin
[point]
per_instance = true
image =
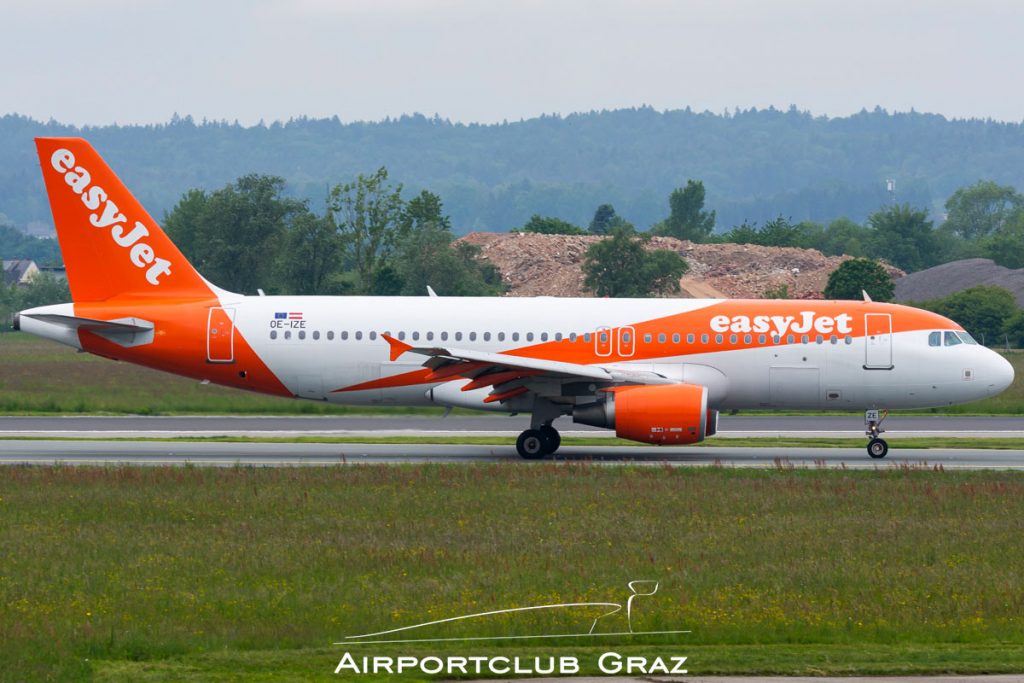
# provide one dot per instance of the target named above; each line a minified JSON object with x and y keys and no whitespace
{"x":111,"y":246}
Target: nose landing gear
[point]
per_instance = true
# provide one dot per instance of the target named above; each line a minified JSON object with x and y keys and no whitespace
{"x":877,"y":447}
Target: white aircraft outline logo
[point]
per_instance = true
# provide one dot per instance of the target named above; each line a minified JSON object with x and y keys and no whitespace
{"x":634,"y":587}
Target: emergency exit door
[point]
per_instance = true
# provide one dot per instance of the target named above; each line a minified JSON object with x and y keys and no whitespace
{"x":878,"y":341}
{"x":220,"y":335}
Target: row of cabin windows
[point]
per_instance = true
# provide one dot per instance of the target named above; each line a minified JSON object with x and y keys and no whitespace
{"x":603,"y":337}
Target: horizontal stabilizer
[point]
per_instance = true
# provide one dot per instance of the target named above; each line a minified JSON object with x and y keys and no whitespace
{"x":123,"y":331}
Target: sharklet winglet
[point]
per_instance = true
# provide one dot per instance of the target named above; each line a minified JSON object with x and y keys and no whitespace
{"x":397,"y":347}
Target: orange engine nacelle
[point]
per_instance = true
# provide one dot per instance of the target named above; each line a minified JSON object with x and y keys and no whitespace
{"x":659,"y":414}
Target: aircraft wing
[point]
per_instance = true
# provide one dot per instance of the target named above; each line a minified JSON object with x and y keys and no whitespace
{"x":509,"y":373}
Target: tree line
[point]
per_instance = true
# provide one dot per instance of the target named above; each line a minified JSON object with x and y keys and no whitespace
{"x":367,"y":239}
{"x":756,"y":163}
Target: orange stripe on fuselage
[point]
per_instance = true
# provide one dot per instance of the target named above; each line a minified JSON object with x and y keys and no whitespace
{"x":404,"y":379}
{"x":727,"y":318}
{"x":179,"y":343}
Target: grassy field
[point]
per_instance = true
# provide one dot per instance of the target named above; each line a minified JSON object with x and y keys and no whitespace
{"x":177,"y":573}
{"x":38,"y":376}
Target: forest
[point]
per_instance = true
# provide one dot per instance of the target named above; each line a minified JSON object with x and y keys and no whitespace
{"x":756,"y":165}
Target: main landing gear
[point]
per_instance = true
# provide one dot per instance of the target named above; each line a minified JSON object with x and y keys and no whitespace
{"x":877,"y":447}
{"x":534,"y":444}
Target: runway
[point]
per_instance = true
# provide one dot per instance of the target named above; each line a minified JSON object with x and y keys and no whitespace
{"x":488,"y":425}
{"x":317,"y":454}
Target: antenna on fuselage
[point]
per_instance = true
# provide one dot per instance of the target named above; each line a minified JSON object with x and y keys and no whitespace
{"x":867,"y":299}
{"x":430,"y":291}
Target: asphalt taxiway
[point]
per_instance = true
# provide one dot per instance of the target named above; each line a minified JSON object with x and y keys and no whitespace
{"x":488,"y":425}
{"x":228,"y":454}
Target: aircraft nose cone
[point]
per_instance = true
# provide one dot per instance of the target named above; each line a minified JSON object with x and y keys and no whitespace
{"x":1002,"y":373}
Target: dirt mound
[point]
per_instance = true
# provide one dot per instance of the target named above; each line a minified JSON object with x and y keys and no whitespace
{"x":957,"y":276}
{"x":550,"y":265}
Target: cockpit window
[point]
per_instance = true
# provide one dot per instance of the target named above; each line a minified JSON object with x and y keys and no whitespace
{"x":935,"y":339}
{"x":950,"y":339}
{"x":968,"y":339}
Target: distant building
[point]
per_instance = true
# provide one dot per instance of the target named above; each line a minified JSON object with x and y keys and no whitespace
{"x":57,"y":272}
{"x":40,"y":229}
{"x":19,"y":271}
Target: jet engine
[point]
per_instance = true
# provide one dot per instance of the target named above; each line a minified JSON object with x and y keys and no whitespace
{"x":658,"y":414}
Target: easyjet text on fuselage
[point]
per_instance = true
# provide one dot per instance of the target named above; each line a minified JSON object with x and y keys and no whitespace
{"x":803,"y":323}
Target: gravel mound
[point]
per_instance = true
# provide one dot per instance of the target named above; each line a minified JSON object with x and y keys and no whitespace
{"x":551,"y":265}
{"x":949,"y":278}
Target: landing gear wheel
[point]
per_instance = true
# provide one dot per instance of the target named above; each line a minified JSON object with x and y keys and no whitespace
{"x":551,"y":438}
{"x":877,"y":448}
{"x":530,"y":444}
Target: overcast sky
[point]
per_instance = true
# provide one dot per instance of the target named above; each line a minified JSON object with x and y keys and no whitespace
{"x":127,"y":61}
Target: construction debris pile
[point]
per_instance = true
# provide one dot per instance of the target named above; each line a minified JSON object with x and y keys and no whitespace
{"x":551,"y":265}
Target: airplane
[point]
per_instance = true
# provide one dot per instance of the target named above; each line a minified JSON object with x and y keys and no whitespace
{"x":655,"y":370}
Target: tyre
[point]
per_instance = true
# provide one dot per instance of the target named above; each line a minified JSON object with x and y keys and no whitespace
{"x":877,"y":448}
{"x":552,"y":439}
{"x":530,"y":444}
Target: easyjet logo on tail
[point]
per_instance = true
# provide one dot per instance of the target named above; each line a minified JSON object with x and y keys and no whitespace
{"x":780,"y":325}
{"x":107,"y":215}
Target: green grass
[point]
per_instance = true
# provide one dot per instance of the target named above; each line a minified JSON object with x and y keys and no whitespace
{"x":43,"y":377}
{"x":128,"y":573}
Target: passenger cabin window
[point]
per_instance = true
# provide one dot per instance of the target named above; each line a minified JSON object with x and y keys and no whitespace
{"x":951,"y":339}
{"x":316,"y":335}
{"x":647,"y":339}
{"x":302,"y":334}
{"x":935,"y":339}
{"x":273,"y":334}
{"x":330,"y":335}
{"x":359,"y":335}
